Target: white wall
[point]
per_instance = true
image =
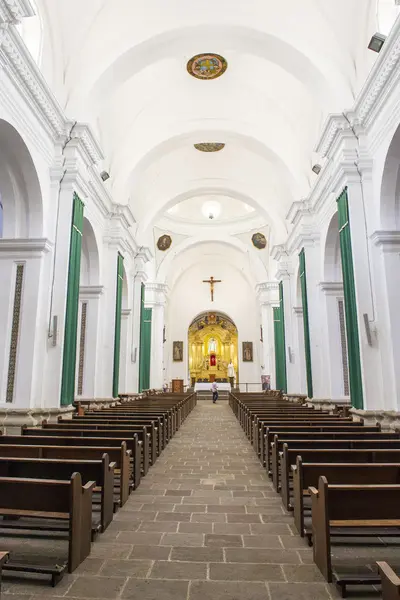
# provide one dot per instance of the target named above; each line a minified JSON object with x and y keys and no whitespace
{"x":234,"y":296}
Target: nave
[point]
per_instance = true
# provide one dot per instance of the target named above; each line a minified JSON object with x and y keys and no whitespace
{"x":205,"y":523}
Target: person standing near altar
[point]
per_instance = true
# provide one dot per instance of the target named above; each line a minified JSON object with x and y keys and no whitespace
{"x":231,"y":374}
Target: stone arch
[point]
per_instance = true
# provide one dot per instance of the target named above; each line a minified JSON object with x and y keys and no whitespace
{"x":20,"y":192}
{"x":390,"y":186}
{"x":90,"y":259}
{"x":332,"y":262}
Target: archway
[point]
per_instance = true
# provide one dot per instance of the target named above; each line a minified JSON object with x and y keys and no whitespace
{"x":212,"y":344}
{"x":336,"y":340}
{"x":22,"y":326}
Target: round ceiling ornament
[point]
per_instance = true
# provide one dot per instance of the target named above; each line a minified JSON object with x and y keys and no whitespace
{"x":259,"y":241}
{"x":164,"y":242}
{"x":209,"y":146}
{"x":207,"y":66}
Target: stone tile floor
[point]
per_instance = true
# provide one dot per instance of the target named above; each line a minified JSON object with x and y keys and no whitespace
{"x":205,"y":524}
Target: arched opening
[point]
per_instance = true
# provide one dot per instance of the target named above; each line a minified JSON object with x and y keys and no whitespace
{"x":21,"y":216}
{"x":88,"y":316}
{"x":212,"y":345}
{"x":332,"y":289}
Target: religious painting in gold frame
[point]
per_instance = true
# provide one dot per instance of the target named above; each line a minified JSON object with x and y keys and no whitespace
{"x":247,"y":348}
{"x":177,"y":351}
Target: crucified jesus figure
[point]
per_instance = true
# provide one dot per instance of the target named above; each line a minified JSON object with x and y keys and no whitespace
{"x":211,"y":281}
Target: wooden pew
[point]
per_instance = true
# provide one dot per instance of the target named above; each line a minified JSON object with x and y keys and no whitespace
{"x":354,"y":506}
{"x":99,"y":471}
{"x":390,"y":582}
{"x":119,"y":456}
{"x":145,"y":433}
{"x":69,"y":437}
{"x":310,"y":431}
{"x":281,"y":472}
{"x":68,"y":501}
{"x":39,"y":440}
{"x":306,"y":475}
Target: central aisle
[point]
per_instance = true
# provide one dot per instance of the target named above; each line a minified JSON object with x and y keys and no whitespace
{"x":204,"y":525}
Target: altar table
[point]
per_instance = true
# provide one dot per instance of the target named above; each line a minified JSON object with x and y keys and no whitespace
{"x":206,"y":387}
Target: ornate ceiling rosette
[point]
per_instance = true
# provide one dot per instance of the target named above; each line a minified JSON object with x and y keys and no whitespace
{"x":259,"y":241}
{"x":209,"y":146}
{"x":164,"y":242}
{"x":207,"y":66}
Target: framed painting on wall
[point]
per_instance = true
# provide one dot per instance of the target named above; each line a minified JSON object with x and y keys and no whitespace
{"x":177,"y":351}
{"x":247,"y":351}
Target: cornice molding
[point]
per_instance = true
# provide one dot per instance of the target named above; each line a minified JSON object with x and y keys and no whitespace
{"x":123,"y":213}
{"x":279,"y":251}
{"x":267,"y":286}
{"x":388,"y":241}
{"x":298,"y":209}
{"x":84,"y":133}
{"x":25,"y":246}
{"x":298,"y":311}
{"x":331,"y":287}
{"x":23,"y":71}
{"x":90,"y":291}
{"x":12,"y":11}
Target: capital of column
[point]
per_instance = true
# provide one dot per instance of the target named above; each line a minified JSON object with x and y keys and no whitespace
{"x":331,"y":288}
{"x":267,"y":292}
{"x":298,"y":311}
{"x":88,"y":292}
{"x":156,"y":294}
{"x":387,"y":241}
{"x":284,"y":271}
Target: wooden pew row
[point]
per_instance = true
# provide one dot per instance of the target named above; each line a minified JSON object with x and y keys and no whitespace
{"x":350,"y":506}
{"x":65,"y":441}
{"x":306,"y":475}
{"x":390,"y":582}
{"x":96,"y":437}
{"x":333,"y":455}
{"x":4,"y":556}
{"x":65,"y":501}
{"x":119,"y":456}
{"x":279,"y":474}
{"x":146,"y":434}
{"x":313,"y":432}
{"x":99,"y":471}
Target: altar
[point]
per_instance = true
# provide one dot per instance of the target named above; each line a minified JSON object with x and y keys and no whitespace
{"x":206,"y":387}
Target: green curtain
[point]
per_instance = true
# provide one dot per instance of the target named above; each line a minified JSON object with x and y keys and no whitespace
{"x":118,"y":313}
{"x":72,"y":308}
{"x":353,"y":342}
{"x":145,"y":345}
{"x":307,"y":345}
{"x":280,"y":344}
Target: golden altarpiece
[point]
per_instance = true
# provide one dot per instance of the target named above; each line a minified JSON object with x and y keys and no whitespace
{"x":213,"y":343}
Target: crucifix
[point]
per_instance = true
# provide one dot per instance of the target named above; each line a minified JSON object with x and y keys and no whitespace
{"x":211,"y":281}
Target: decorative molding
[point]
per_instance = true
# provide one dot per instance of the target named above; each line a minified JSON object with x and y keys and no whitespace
{"x":24,"y":247}
{"x":84,"y":133}
{"x":278,"y":251}
{"x":126,"y":312}
{"x":12,"y":11}
{"x":298,"y":311}
{"x":298,"y":209}
{"x":86,"y":292}
{"x":15,"y":327}
{"x":26,"y":76}
{"x":331,"y":287}
{"x":388,"y":241}
{"x":156,"y":294}
{"x":267,"y":286}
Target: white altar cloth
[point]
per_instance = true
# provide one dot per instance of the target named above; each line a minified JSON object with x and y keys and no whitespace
{"x":206,"y":387}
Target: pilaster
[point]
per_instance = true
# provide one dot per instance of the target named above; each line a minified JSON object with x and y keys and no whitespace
{"x":268,"y":297}
{"x":156,"y":299}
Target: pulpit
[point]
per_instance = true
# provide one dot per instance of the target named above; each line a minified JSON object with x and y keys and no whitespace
{"x":177,"y":386}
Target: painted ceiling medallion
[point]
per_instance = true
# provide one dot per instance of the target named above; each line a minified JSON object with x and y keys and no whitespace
{"x":207,"y":66}
{"x":209,"y":146}
{"x":259,"y":241}
{"x":164,"y":242}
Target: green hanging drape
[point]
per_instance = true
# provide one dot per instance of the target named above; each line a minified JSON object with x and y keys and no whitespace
{"x":353,"y":342}
{"x":72,"y":308}
{"x":280,"y":345}
{"x":118,"y":313}
{"x":145,"y":345}
{"x":307,"y":345}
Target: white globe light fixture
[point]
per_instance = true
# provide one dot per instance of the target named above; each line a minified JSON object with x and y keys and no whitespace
{"x":211,"y":210}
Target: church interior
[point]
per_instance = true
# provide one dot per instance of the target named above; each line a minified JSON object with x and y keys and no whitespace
{"x":199,"y":307}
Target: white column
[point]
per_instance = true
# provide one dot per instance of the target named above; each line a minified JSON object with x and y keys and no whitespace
{"x":387,"y":285}
{"x":292,"y":358}
{"x":108,"y":306}
{"x":360,"y":198}
{"x":156,"y":300}
{"x":124,"y":357}
{"x":268,"y":295}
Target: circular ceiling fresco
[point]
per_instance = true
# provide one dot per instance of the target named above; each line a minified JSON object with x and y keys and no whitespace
{"x":209,"y":146}
{"x":207,"y":66}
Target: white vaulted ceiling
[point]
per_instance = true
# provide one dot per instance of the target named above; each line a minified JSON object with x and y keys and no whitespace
{"x":121,"y":66}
